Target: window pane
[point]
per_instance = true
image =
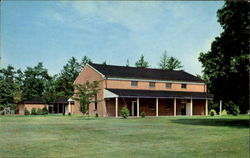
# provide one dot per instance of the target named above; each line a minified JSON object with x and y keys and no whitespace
{"x":151,"y":84}
{"x":183,"y":85}
{"x":168,"y":85}
{"x":134,"y":83}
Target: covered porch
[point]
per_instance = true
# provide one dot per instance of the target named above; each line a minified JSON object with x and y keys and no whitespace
{"x":62,"y":105}
{"x":156,"y":103}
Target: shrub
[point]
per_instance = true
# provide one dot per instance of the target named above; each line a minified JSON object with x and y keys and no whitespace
{"x":235,"y":110}
{"x":33,"y":111}
{"x":224,"y":112}
{"x":143,"y":114}
{"x":26,"y":111}
{"x":96,"y":115}
{"x":124,"y":112}
{"x":39,"y":112}
{"x":45,"y":111}
{"x":213,"y":105}
{"x":212,"y":112}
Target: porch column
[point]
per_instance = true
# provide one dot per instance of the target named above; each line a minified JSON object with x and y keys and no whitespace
{"x":174,"y":106}
{"x":157,"y":111}
{"x":191,"y":108}
{"x":116,"y":107}
{"x":138,"y":108}
{"x":69,"y":108}
{"x":206,"y":107}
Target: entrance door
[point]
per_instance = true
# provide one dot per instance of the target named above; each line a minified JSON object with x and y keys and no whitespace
{"x":134,"y":108}
{"x":183,"y":108}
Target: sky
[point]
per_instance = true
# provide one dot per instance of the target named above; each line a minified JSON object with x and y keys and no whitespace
{"x":54,"y":31}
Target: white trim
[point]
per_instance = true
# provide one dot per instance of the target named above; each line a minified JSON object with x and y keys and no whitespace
{"x":109,"y":94}
{"x":174,"y":106}
{"x":191,"y":108}
{"x":206,"y":107}
{"x":157,"y":109}
{"x":103,"y":76}
{"x":138,"y":107}
{"x":148,"y":80}
{"x":116,"y":107}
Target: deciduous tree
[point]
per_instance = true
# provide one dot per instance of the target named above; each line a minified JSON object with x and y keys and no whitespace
{"x":226,"y":65}
{"x":142,"y":63}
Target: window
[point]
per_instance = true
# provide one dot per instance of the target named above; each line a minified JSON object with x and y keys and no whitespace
{"x":169,"y":104}
{"x":151,"y":84}
{"x":151,"y":107}
{"x":168,"y":85}
{"x":183,"y":85}
{"x":95,"y":102}
{"x":134,"y":83}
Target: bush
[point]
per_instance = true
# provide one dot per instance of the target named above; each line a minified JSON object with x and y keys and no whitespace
{"x":213,"y":105}
{"x":124,"y":112}
{"x":224,"y":112}
{"x":143,"y":114}
{"x":33,"y":111}
{"x":235,"y":110}
{"x":45,"y":111}
{"x":96,"y":115}
{"x":212,"y":112}
{"x":26,"y":111}
{"x":39,"y":112}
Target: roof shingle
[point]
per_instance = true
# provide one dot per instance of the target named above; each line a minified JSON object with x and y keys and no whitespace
{"x":159,"y":94}
{"x":144,"y":73}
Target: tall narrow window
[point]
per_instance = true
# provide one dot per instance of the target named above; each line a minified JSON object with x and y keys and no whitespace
{"x":168,"y":85}
{"x":95,"y":102}
{"x":151,"y":84}
{"x":183,"y":85}
{"x":134,"y":83}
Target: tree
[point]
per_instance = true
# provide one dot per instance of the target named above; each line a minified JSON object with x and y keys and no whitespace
{"x":85,"y":94}
{"x":34,"y":81}
{"x":163,"y":61}
{"x":226,"y":65}
{"x":104,"y":63}
{"x":64,"y":81}
{"x":142,"y":63}
{"x":127,"y":63}
{"x":169,"y":62}
{"x":85,"y":60}
{"x":10,"y":83}
{"x":173,"y":64}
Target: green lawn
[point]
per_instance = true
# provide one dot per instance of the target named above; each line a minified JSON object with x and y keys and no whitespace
{"x":74,"y":136}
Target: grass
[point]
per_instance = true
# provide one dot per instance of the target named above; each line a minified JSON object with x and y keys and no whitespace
{"x":75,"y":136}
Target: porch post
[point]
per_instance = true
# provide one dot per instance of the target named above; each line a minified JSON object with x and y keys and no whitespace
{"x":206,"y":108}
{"x":174,"y":106}
{"x":191,"y":112}
{"x":138,"y":108}
{"x":116,"y":107}
{"x":69,"y":108}
{"x":157,"y":112}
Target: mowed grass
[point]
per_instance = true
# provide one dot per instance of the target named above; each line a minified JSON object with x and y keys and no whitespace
{"x":75,"y":136}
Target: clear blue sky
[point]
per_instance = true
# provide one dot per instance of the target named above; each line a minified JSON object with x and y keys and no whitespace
{"x":53,"y":32}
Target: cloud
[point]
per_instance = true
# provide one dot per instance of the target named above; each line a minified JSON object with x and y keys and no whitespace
{"x":140,"y":28}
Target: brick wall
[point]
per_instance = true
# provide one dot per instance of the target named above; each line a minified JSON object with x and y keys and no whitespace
{"x":121,"y":84}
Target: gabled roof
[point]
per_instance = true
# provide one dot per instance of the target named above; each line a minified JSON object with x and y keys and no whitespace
{"x":62,"y":99}
{"x":159,"y":94}
{"x":144,"y":73}
{"x":35,"y":100}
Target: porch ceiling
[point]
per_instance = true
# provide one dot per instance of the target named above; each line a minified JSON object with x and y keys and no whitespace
{"x":159,"y":94}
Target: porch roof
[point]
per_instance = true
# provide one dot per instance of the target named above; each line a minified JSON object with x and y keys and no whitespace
{"x":157,"y":94}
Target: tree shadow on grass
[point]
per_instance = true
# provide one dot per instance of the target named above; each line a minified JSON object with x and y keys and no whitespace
{"x":237,"y":123}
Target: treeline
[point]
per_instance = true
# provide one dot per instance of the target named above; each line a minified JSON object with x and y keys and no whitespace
{"x":17,"y":86}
